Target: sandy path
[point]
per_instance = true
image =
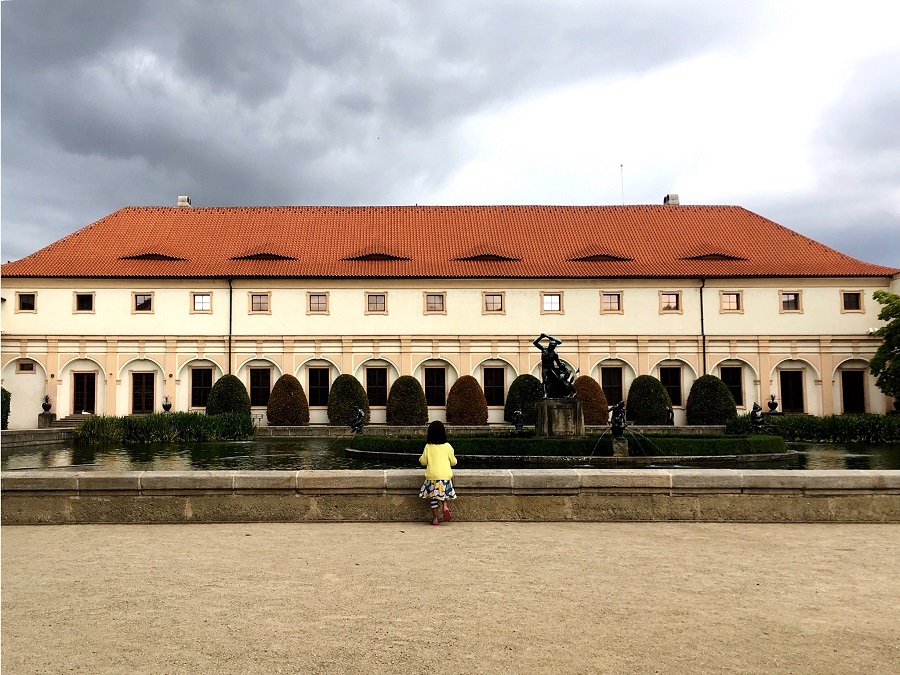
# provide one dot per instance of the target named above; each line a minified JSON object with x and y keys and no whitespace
{"x":465,"y":597}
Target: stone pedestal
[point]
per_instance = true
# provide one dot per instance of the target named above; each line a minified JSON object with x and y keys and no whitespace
{"x":45,"y":419}
{"x":559,"y":417}
{"x":620,"y":447}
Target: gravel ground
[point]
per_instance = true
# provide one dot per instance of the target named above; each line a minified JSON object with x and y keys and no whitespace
{"x":464,"y":597}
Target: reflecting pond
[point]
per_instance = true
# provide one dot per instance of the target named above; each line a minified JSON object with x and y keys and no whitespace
{"x":328,"y":453}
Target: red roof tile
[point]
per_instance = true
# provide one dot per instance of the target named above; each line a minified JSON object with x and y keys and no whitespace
{"x":433,"y":241}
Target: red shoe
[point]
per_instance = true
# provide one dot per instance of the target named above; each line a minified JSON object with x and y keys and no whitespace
{"x":447,"y":514}
{"x":435,"y":522}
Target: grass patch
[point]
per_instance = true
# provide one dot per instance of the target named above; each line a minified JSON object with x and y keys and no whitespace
{"x":187,"y":427}
{"x":826,"y":429}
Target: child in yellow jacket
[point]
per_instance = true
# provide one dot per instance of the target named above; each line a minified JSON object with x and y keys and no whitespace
{"x":437,"y":458}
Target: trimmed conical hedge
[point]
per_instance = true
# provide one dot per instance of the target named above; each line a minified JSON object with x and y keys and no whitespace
{"x":525,"y":392}
{"x":648,"y":402}
{"x":593,"y":400}
{"x":288,"y":405}
{"x":227,"y":395}
{"x":346,"y":396}
{"x":466,"y":404}
{"x":406,"y":402}
{"x":710,"y":402}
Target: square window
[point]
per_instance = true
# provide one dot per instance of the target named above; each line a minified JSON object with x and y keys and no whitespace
{"x":851,"y":301}
{"x":791,"y":301}
{"x":551,"y":303}
{"x":435,"y":303}
{"x":317,"y":303}
{"x":201,"y":303}
{"x":670,"y":301}
{"x":610,"y":303}
{"x":26,"y":302}
{"x":84,"y":302}
{"x":143,"y":302}
{"x":730,"y":301}
{"x":376,"y":303}
{"x":493,"y":303}
{"x":259,"y":303}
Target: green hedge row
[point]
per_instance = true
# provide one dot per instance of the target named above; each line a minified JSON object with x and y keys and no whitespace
{"x":827,"y":429}
{"x":583,"y":447}
{"x":165,"y":428}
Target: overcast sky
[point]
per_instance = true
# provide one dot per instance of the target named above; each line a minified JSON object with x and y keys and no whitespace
{"x":788,"y":108}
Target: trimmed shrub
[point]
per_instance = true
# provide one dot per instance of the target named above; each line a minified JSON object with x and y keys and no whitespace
{"x":593,"y":400}
{"x":406,"y":402}
{"x":182,"y":427}
{"x":288,"y":406}
{"x":710,"y":402}
{"x":828,"y":429}
{"x":227,"y":395}
{"x":346,"y":395}
{"x":648,"y":401}
{"x":7,"y":401}
{"x":466,"y":404}
{"x":525,"y":392}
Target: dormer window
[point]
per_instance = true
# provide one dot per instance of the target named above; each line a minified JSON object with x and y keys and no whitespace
{"x":153,"y":256}
{"x":375,"y":256}
{"x":263,"y":255}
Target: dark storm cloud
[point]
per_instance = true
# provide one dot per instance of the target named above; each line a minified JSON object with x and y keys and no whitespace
{"x":110,"y":103}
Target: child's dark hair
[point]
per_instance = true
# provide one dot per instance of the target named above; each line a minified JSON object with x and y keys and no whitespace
{"x":436,"y":433}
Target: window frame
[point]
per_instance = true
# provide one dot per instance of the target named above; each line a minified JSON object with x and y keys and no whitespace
{"x":193,"y":388}
{"x":252,"y":388}
{"x":310,"y":389}
{"x":426,"y":387}
{"x":860,"y":294}
{"x":620,"y":387}
{"x":34,"y":299}
{"x":250,"y":296}
{"x":680,"y":370}
{"x":620,"y":295}
{"x":782,"y":293}
{"x":198,"y":294}
{"x":494,"y":387}
{"x":378,"y":386}
{"x":77,"y":294}
{"x":550,"y":294}
{"x":680,"y":303}
{"x":740,"y":384}
{"x":309,"y":297}
{"x":484,"y":297}
{"x":740,"y":302}
{"x":368,"y":308}
{"x":443,"y":309}
{"x":134,"y":306}
{"x":22,"y":371}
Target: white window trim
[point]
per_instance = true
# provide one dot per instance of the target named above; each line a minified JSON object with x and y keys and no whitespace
{"x":202,"y":311}
{"x":562,"y":306}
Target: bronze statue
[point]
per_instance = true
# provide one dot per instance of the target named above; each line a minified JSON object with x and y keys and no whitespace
{"x":756,"y":417}
{"x":558,"y":379}
{"x":357,"y":423}
{"x":617,"y":419}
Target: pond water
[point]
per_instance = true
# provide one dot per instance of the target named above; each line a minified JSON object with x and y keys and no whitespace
{"x":328,"y":453}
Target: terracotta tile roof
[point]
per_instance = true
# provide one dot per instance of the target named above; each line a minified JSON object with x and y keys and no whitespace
{"x":438,"y":242}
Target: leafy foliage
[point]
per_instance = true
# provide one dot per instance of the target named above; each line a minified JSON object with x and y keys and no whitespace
{"x":648,"y":401}
{"x":885,"y":365}
{"x":593,"y":400}
{"x":406,"y":402}
{"x":710,"y":402}
{"x":288,"y":406}
{"x":466,"y":404}
{"x":7,"y":401}
{"x":164,"y":428}
{"x":346,"y":396}
{"x":228,"y":395}
{"x":525,"y":392}
{"x":827,"y":429}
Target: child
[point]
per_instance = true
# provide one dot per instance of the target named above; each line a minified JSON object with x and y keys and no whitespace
{"x":438,"y":458}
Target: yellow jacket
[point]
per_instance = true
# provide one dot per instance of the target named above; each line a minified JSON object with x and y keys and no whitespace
{"x":437,"y":460}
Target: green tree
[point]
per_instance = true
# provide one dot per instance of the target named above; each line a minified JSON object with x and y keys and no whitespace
{"x":648,"y":401}
{"x":227,"y":395}
{"x":885,"y":365}
{"x":710,"y":402}
{"x":466,"y":404}
{"x":593,"y":400}
{"x":7,"y":399}
{"x":406,"y":402}
{"x":288,"y":405}
{"x":346,"y":395}
{"x":525,"y":392}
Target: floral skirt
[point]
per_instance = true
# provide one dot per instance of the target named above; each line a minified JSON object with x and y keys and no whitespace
{"x":437,"y":489}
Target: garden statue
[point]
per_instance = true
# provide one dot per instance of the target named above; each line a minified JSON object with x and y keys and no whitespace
{"x":773,"y":404}
{"x":356,"y":424}
{"x":756,"y":417}
{"x":558,"y":379}
{"x":670,"y":416}
{"x":617,"y":419}
{"x":518,"y":420}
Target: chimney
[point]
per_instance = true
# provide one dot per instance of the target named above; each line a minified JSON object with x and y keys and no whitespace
{"x":184,"y":200}
{"x":670,"y":199}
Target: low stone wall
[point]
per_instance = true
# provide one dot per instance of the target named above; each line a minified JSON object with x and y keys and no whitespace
{"x":711,"y":495}
{"x":487,"y":430}
{"x":16,"y":438}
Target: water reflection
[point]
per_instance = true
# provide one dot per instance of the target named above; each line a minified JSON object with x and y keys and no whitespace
{"x":328,"y":453}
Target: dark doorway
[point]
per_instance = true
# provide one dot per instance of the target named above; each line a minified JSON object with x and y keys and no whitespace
{"x":853,"y":391}
{"x":611,"y":383}
{"x":792,"y":391}
{"x":85,"y":398}
{"x":142,"y":393}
